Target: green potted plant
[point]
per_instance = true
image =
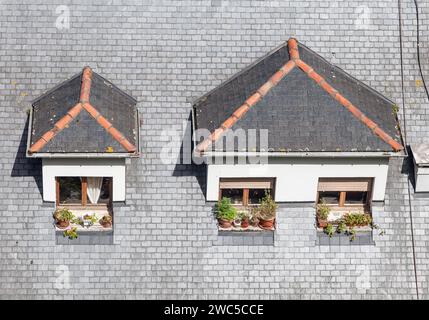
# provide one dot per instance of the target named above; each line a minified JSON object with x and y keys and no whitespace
{"x":63,"y":217}
{"x":245,"y":217}
{"x":253,"y":218}
{"x":106,"y":221}
{"x":267,"y":212}
{"x":357,"y":219}
{"x":341,"y":227}
{"x":237,"y":220}
{"x":352,"y":233}
{"x":323,"y":211}
{"x":329,"y":230}
{"x":225,"y":212}
{"x":89,"y":220}
{"x":70,"y":233}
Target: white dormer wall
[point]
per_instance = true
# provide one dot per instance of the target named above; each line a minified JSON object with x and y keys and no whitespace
{"x":80,"y":167}
{"x":297,"y":178}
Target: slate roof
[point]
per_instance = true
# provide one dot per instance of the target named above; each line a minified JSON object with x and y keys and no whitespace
{"x":85,"y":114}
{"x":420,"y":154}
{"x":305,"y":103}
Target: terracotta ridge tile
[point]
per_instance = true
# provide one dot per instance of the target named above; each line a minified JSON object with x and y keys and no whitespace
{"x":349,"y":106}
{"x":58,"y":127}
{"x":293,"y":49}
{"x":253,"y":99}
{"x":74,"y":111}
{"x":275,"y":79}
{"x":216,"y":134}
{"x":250,"y":102}
{"x":86,"y":85}
{"x":203,"y":145}
{"x":228,"y":123}
{"x":304,"y":67}
{"x":240,"y":111}
{"x":265,"y":88}
{"x":108,"y":126}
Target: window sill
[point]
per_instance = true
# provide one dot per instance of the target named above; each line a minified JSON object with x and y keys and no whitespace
{"x":92,"y":235}
{"x":363,"y":237}
{"x":245,"y":238}
{"x":85,"y":237}
{"x":243,"y":230}
{"x":94,"y":228}
{"x":357,"y":229}
{"x":80,"y":212}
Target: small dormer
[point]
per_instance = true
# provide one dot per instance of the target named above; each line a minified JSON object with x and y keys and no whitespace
{"x":84,"y":129}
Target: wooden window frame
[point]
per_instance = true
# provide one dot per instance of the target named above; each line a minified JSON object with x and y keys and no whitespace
{"x":343,"y":194}
{"x":342,"y":198}
{"x":245,"y":199}
{"x":84,"y":184}
{"x":84,"y":199}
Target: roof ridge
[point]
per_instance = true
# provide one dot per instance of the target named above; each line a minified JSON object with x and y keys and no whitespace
{"x":234,"y":76}
{"x":57,"y":86}
{"x":74,"y":111}
{"x":348,"y":75}
{"x":108,"y":126}
{"x":309,"y":71}
{"x":295,"y":60}
{"x":254,"y":98}
{"x":85,"y":89}
{"x":58,"y":127}
{"x":119,"y":90}
{"x":250,"y":102}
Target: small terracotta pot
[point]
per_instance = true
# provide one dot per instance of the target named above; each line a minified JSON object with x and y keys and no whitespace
{"x":105,"y":224}
{"x":266,"y":224}
{"x":237,"y":223}
{"x":224,"y":223}
{"x":62,"y":224}
{"x":245,"y":223}
{"x":254,"y":222}
{"x":322,"y":223}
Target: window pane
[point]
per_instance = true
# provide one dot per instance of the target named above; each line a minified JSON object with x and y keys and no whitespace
{"x":236,"y":195}
{"x":256,"y":195}
{"x":105,"y":191}
{"x":329,"y":197}
{"x":70,"y":190}
{"x":356,"y":197}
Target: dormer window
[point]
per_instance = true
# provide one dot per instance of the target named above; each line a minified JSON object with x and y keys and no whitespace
{"x":83,"y":130}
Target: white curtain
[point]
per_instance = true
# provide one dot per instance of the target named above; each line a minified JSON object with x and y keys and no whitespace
{"x":94,"y":188}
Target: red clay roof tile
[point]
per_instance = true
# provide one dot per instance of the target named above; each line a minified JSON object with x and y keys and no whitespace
{"x":73,"y":112}
{"x":328,"y":88}
{"x":216,"y":134}
{"x":39,"y":144}
{"x":228,"y":123}
{"x":240,"y":111}
{"x":106,"y":124}
{"x":316,"y":77}
{"x":293,"y":49}
{"x":92,"y":111}
{"x":275,"y":79}
{"x":265,"y":88}
{"x":353,"y":109}
{"x":86,"y":85}
{"x":253,"y":99}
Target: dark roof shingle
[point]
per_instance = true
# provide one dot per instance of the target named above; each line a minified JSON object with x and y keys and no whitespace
{"x":308,"y":105}
{"x":86,"y":114}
